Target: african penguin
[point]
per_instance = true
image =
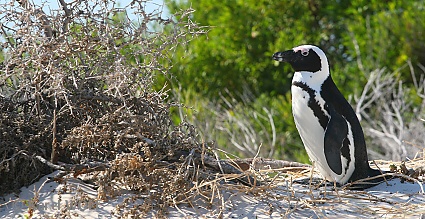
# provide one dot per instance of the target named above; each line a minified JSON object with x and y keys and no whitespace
{"x":327,"y":124}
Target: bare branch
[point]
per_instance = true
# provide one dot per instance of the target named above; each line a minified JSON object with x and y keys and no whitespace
{"x":67,"y":16}
{"x":9,"y":38}
{"x":385,"y":108}
{"x":267,"y":164}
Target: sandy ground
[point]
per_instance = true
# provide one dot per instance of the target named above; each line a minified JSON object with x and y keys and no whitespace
{"x":77,"y":199}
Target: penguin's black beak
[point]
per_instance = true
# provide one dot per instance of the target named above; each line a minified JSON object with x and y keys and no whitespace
{"x":286,"y":56}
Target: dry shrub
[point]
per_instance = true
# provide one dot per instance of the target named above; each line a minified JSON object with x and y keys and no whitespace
{"x":77,"y":86}
{"x":392,"y":114}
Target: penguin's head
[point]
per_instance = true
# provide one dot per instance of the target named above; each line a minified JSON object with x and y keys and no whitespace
{"x":304,"y":58}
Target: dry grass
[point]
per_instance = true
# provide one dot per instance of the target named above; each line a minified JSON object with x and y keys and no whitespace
{"x":279,"y":193}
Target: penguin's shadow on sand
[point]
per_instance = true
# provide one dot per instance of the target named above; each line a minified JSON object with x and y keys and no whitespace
{"x":390,"y":186}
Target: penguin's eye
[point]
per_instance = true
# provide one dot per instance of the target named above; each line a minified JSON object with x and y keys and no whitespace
{"x":304,"y":52}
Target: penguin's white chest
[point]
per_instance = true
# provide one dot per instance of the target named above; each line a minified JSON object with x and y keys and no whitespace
{"x":312,"y":133}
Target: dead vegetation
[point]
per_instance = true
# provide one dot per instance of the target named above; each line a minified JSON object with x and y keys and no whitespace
{"x":393,"y":114}
{"x":77,"y":94}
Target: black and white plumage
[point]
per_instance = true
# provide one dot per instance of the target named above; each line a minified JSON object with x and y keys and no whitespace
{"x":326,"y":122}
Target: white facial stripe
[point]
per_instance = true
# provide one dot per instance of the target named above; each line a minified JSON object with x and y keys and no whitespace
{"x":303,"y":48}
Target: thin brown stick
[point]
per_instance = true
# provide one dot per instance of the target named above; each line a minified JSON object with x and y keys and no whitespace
{"x":55,"y":154}
{"x":67,"y":15}
{"x":266,"y":164}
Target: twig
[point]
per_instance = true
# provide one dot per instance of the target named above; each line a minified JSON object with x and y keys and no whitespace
{"x":39,"y":14}
{"x":12,"y":157}
{"x":67,"y":15}
{"x":50,"y":164}
{"x":9,"y":40}
{"x":382,"y":172}
{"x":54,"y":155}
{"x":8,"y":202}
{"x":226,"y":168}
{"x":266,"y":164}
{"x":85,"y":168}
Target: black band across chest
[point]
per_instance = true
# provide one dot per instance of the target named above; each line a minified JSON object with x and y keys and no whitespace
{"x":313,"y":104}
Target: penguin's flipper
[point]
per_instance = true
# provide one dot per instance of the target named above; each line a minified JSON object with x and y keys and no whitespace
{"x":335,"y":134}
